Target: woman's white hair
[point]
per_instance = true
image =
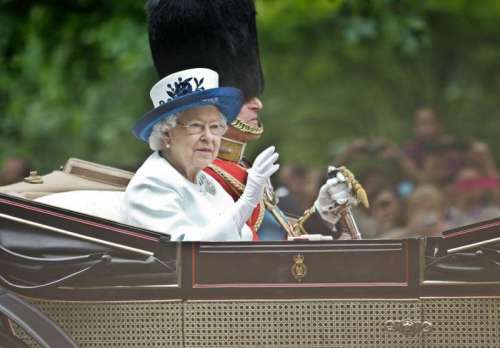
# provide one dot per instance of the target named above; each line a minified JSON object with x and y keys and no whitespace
{"x":160,"y":130}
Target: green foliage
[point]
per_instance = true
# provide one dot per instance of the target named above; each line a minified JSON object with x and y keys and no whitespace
{"x":73,"y":80}
{"x":75,"y":75}
{"x":360,"y":68}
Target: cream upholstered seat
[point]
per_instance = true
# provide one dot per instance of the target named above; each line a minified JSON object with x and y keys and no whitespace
{"x":103,"y":204}
{"x":81,"y":186}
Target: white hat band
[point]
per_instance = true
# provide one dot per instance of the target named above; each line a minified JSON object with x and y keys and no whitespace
{"x":182,"y":83}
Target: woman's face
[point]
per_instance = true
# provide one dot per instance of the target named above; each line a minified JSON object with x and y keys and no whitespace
{"x":188,"y":152}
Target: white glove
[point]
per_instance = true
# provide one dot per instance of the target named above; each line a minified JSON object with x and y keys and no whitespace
{"x":258,"y":176}
{"x":334,"y":193}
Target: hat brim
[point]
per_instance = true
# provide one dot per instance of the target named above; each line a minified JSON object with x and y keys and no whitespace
{"x":227,"y":99}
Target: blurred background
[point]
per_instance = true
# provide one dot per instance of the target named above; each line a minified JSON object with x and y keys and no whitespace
{"x":403,"y":92}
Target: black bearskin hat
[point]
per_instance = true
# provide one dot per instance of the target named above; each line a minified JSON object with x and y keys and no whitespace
{"x":217,"y":34}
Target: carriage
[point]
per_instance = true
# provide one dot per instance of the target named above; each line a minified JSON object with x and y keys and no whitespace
{"x":74,"y":275}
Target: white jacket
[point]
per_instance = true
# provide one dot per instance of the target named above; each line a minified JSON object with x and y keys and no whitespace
{"x":159,"y":198}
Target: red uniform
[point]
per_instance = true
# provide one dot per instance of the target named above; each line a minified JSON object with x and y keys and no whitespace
{"x":233,"y":177}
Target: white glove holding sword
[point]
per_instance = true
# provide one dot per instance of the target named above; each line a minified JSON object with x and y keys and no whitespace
{"x":340,"y":190}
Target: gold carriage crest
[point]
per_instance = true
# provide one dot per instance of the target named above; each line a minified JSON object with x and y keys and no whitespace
{"x":299,"y":269}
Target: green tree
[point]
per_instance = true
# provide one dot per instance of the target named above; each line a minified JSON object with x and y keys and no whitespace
{"x":75,"y":75}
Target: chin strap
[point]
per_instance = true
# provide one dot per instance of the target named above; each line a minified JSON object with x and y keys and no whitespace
{"x":246,"y":128}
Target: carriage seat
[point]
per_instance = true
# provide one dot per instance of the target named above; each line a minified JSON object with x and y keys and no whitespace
{"x":103,"y":204}
{"x":82,"y":186}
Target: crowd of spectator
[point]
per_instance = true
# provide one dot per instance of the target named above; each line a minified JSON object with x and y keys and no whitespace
{"x":434,"y":182}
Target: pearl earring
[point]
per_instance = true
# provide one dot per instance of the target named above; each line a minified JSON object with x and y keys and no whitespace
{"x":167,"y":145}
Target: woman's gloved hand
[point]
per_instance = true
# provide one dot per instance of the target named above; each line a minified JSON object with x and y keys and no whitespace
{"x":258,"y":176}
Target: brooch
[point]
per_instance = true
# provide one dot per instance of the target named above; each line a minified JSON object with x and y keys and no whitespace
{"x":206,"y":185}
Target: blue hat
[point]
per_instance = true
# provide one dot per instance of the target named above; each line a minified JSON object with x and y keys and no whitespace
{"x":185,"y":90}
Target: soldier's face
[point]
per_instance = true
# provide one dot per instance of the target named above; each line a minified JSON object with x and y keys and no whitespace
{"x":249,"y":112}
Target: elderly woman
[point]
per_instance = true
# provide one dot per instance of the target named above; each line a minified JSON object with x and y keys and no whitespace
{"x":169,"y":193}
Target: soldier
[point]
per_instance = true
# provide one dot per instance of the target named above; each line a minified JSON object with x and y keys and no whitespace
{"x":221,"y":35}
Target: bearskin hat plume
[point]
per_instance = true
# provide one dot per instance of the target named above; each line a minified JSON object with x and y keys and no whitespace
{"x":215,"y":34}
